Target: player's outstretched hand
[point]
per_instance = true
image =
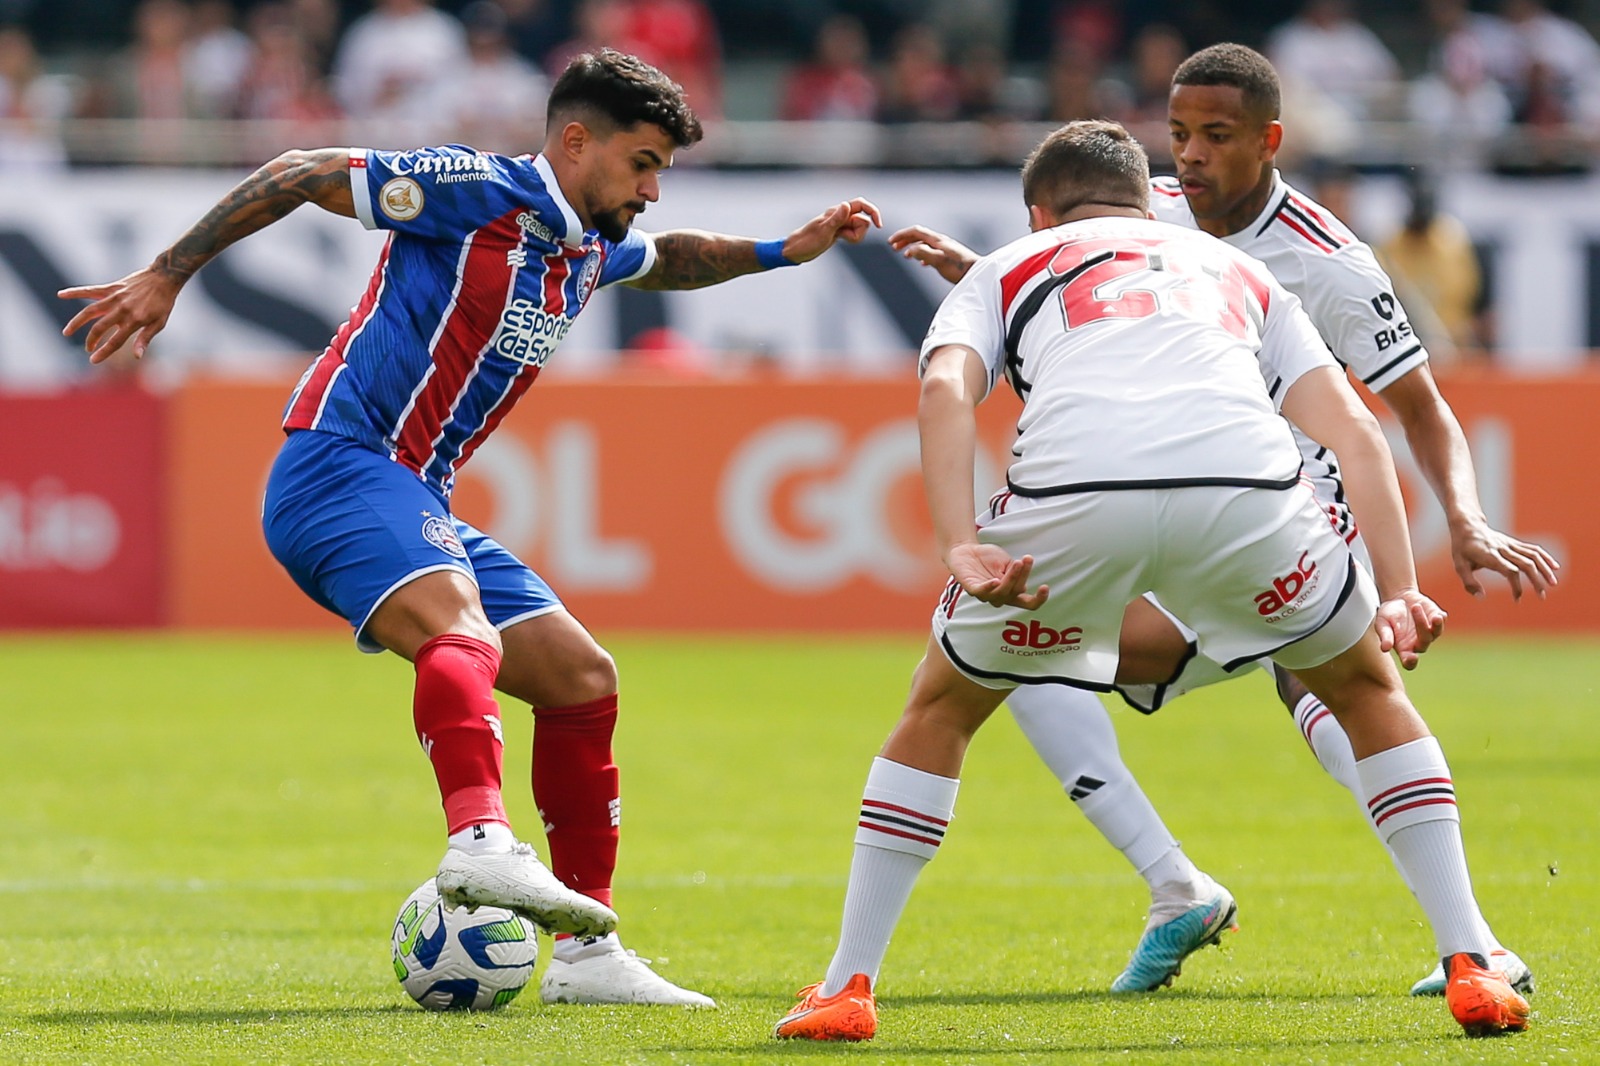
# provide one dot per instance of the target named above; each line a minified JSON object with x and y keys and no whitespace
{"x":943,"y":253}
{"x":987,"y":573}
{"x":135,"y":308}
{"x":849,"y":220}
{"x":1408,"y":625}
{"x":1482,"y":548}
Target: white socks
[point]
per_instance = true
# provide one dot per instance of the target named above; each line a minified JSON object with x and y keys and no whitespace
{"x":1072,"y":732}
{"x":904,"y":814}
{"x":1328,"y":742}
{"x":1411,"y":802}
{"x":485,"y":838}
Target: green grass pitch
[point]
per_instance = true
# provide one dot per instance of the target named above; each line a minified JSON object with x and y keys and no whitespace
{"x":205,"y":841}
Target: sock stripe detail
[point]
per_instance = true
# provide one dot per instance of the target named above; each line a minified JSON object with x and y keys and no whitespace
{"x":1314,"y":711}
{"x":1422,"y":792}
{"x":930,"y":841}
{"x":1377,"y":801}
{"x":941,"y":823}
{"x":1379,"y":819}
{"x":889,"y":819}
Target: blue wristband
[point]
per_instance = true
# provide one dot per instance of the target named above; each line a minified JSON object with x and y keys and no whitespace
{"x":770,"y":255}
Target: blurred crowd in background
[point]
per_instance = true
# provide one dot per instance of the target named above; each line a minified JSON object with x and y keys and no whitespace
{"x":1510,"y":84}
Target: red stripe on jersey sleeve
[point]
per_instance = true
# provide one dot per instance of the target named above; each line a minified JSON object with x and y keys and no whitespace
{"x":1332,"y":229}
{"x":1292,"y":224}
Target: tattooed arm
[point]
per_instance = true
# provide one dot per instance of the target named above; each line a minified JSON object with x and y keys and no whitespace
{"x":693,"y":259}
{"x":136,"y":307}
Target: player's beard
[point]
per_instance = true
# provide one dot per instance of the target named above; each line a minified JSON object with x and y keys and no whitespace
{"x":613,"y":225}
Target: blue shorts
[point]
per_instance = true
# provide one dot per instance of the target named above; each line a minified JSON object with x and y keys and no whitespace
{"x":351,"y":525}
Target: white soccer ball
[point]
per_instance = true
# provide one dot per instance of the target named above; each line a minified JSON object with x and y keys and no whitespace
{"x":456,"y":960}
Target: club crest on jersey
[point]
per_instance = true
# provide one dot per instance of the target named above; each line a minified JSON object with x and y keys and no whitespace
{"x":441,"y":533}
{"x":401,"y":199}
{"x":588,"y":274}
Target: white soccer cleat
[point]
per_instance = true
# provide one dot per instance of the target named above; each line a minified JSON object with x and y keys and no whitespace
{"x":1505,"y":962}
{"x":606,"y":972}
{"x":518,"y":881}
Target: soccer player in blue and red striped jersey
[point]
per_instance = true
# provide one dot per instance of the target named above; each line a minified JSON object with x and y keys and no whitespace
{"x":488,"y":262}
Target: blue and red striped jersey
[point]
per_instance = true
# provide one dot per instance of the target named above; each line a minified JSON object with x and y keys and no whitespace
{"x":486,"y":267}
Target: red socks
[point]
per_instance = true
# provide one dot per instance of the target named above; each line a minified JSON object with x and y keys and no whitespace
{"x":575,"y":786}
{"x":574,"y":774}
{"x":458,"y":723}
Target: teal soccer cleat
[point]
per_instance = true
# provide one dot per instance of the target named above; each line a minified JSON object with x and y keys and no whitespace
{"x":1159,"y":955}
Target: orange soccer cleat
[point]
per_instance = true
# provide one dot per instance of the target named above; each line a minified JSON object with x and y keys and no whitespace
{"x":1481,"y":999}
{"x":851,"y":1014}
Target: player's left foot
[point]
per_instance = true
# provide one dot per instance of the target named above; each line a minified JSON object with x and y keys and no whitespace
{"x":603,"y":971}
{"x":1159,"y":955}
{"x":1480,"y":999}
{"x":1516,"y":972}
{"x":849,"y":1014}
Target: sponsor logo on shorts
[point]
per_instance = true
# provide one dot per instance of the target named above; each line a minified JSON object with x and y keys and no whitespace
{"x":1288,"y":593}
{"x":441,"y":533}
{"x":1035,"y":638}
{"x":401,"y":199}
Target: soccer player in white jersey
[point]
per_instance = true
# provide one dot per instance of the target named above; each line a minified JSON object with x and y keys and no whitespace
{"x":489,"y":260}
{"x":1150,"y":458}
{"x":1225,"y":134}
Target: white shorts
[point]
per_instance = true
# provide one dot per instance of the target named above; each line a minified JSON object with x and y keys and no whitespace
{"x":1254,"y":573}
{"x":1198,"y":671}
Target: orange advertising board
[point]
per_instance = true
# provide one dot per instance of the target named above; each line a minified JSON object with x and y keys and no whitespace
{"x":780,"y":505}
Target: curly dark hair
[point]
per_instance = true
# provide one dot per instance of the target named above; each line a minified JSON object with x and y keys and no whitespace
{"x":611,"y":87}
{"x":1090,"y":161}
{"x":1242,"y":68}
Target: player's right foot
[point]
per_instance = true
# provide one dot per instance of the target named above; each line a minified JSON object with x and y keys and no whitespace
{"x":1481,"y":999}
{"x":850,"y":1014}
{"x":518,"y":881}
{"x":1159,"y":955}
{"x":603,"y":971}
{"x":1516,"y":972}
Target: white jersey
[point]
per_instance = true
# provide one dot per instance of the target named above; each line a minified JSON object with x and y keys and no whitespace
{"x":1146,"y":356}
{"x":1348,"y":296}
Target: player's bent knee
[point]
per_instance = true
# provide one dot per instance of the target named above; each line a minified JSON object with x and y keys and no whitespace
{"x":599,"y":676}
{"x":431,"y":606}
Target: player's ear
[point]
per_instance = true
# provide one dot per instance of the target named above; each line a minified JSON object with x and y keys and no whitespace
{"x":575,"y":136}
{"x":1271,"y":139}
{"x":1039,"y":218}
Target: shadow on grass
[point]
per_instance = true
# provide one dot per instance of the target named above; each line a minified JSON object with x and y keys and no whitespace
{"x":979,"y":1049}
{"x":1075,"y":996}
{"x":1095,"y":996}
{"x":212,"y":1016}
